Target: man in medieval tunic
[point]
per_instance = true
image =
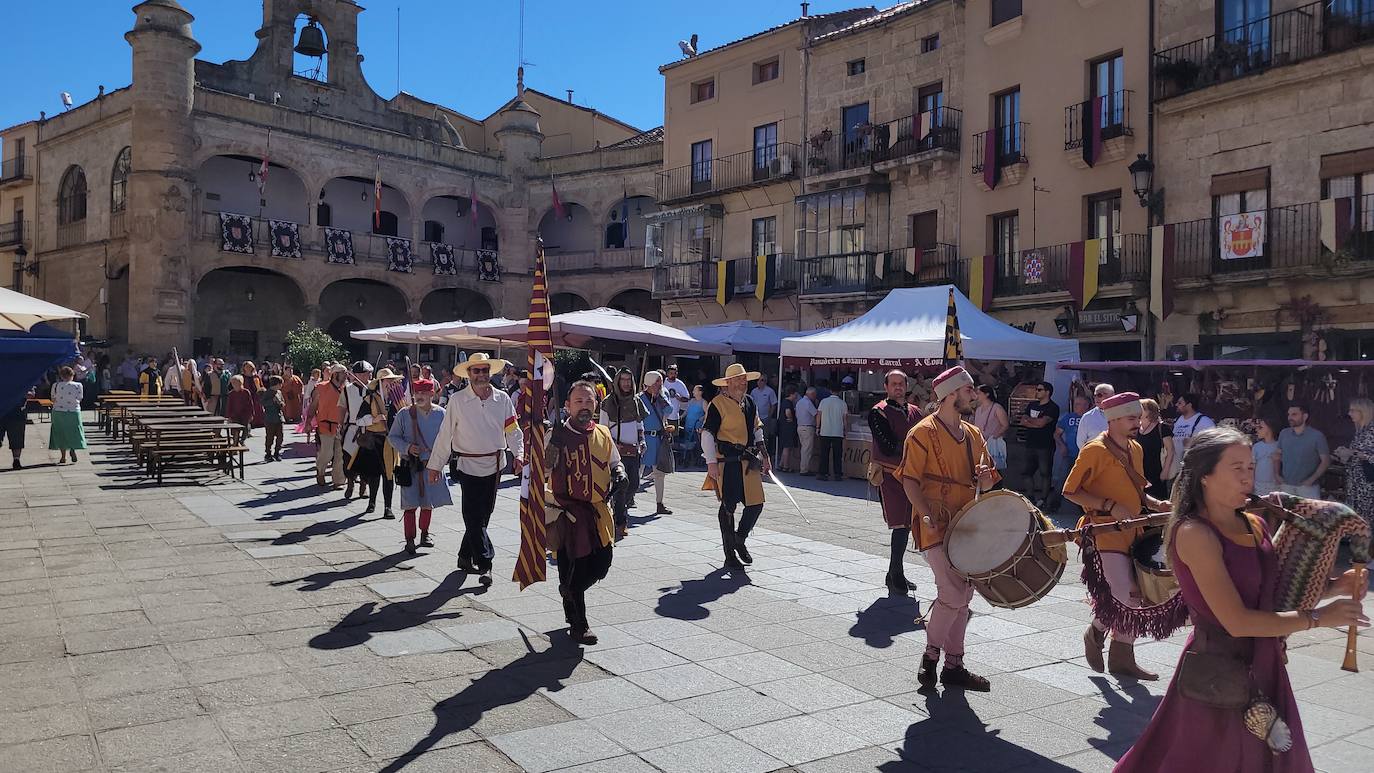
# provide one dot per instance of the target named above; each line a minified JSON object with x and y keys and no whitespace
{"x":736,"y":460}
{"x":889,"y":422}
{"x":1108,"y":482}
{"x":584,"y":468}
{"x":944,"y":463}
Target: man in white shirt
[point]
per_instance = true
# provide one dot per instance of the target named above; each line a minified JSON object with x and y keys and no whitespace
{"x":831,"y":422}
{"x":677,"y":393}
{"x":766,"y":400}
{"x":479,"y":426}
{"x":1094,"y":422}
{"x":806,"y":428}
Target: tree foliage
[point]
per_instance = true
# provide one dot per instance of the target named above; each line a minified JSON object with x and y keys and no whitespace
{"x":308,"y":346}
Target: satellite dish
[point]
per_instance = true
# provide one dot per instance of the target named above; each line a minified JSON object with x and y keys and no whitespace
{"x":689,"y":48}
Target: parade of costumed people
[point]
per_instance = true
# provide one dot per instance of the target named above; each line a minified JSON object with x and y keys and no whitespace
{"x":890,"y":420}
{"x":736,"y":461}
{"x":413,"y":434}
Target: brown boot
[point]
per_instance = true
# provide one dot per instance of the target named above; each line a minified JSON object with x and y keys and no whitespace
{"x":1121,"y":661}
{"x":1092,"y":647}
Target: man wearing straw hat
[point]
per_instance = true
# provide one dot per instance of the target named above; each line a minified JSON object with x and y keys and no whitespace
{"x":1108,"y":482}
{"x":944,"y":463}
{"x":479,"y":427}
{"x":736,"y":460}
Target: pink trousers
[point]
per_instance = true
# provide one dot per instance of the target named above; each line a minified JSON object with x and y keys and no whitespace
{"x":1120,"y":573}
{"x":949,"y":616}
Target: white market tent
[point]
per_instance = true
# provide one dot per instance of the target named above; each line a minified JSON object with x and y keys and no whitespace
{"x":744,"y":336}
{"x":21,"y":312}
{"x":577,"y":329}
{"x":391,"y":334}
{"x":910,"y":323}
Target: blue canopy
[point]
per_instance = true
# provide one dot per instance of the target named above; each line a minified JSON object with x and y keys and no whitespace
{"x":26,"y":356}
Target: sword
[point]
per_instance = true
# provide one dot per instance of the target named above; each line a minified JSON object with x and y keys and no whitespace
{"x":610,"y":382}
{"x":774,"y":477}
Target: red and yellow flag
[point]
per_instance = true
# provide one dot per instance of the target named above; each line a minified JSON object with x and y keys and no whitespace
{"x":530,"y":567}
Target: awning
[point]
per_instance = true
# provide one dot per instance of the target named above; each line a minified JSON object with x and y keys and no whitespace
{"x":21,"y":312}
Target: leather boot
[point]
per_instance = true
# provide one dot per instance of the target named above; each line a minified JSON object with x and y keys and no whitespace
{"x":1121,"y":661}
{"x":1092,"y":647}
{"x":741,"y":550}
{"x":727,"y":539}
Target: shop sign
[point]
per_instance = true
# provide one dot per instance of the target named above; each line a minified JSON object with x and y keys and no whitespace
{"x":831,"y":322}
{"x":1099,"y":319}
{"x":863,"y":362}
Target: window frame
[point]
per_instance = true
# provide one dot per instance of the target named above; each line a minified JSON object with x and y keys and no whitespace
{"x":696,"y":86}
{"x":702,"y":164}
{"x":856,"y":67}
{"x":1010,"y":144}
{"x":72,"y":198}
{"x":1008,"y":261}
{"x":930,"y":43}
{"x":764,"y":154}
{"x":1003,"y":11}
{"x":119,"y":180}
{"x":759,"y":70}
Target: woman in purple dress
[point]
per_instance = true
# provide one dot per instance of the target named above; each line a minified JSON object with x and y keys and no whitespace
{"x":1227,"y":572}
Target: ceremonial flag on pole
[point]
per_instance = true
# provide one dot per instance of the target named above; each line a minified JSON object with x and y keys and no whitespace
{"x":530,"y":567}
{"x":377,"y":197}
{"x":558,"y":210}
{"x":262,"y":176}
{"x":472,"y":214}
{"x":954,"y":343}
{"x":1162,"y":271}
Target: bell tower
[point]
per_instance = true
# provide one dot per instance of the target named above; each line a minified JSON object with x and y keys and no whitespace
{"x":161,"y":175}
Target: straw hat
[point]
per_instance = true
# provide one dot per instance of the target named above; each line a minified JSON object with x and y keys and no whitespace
{"x":479,"y":358}
{"x":385,"y":374}
{"x":735,"y":371}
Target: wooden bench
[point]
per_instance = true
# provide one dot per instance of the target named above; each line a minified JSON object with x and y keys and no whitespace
{"x":40,"y":406}
{"x":220,"y":453}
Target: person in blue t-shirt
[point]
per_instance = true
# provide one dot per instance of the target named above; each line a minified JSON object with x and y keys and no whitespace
{"x":1066,"y":446}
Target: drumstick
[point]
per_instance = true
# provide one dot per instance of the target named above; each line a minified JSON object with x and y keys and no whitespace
{"x":1350,"y":634}
{"x":1060,"y":536}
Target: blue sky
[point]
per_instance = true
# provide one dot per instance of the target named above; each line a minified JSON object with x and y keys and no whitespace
{"x":459,"y":53}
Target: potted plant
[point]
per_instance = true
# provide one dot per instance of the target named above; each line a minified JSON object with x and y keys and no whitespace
{"x":1228,"y":59}
{"x":1182,"y":73}
{"x":818,"y":141}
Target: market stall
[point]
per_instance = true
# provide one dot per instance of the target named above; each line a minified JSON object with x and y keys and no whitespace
{"x":906,"y":330}
{"x":607,"y":329}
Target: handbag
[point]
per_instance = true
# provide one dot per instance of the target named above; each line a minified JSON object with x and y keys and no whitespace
{"x":409,"y":463}
{"x":1213,"y":679}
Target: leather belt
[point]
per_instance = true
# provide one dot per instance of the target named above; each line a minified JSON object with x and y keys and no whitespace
{"x":476,"y":456}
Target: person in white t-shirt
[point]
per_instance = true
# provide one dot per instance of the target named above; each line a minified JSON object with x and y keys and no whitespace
{"x":677,"y":393}
{"x":1094,"y":422}
{"x":1189,"y":422}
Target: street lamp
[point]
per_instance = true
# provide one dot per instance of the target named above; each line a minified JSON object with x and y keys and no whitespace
{"x":1142,"y":171}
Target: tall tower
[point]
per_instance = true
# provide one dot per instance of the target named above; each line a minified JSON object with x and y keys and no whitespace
{"x":161,"y":177}
{"x":517,"y":131}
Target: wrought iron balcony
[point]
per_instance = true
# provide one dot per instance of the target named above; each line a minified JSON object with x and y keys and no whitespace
{"x":13,"y":233}
{"x":1292,"y":36}
{"x":1126,"y":258}
{"x":16,"y":169}
{"x":1116,"y":119}
{"x":871,"y":144}
{"x":1277,"y":238}
{"x":1009,"y":143}
{"x":763,"y":165}
{"x":685,"y":280}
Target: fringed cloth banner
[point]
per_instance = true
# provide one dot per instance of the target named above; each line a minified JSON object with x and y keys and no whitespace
{"x":398,"y":255}
{"x":441,"y":255}
{"x":338,"y":245}
{"x":1158,"y":621}
{"x":236,"y":233}
{"x":488,"y":267}
{"x":286,"y":238}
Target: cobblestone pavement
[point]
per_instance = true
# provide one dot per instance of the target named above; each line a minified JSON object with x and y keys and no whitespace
{"x":226,"y":626}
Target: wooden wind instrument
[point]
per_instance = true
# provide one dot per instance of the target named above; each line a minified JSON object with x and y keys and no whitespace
{"x":1056,"y":537}
{"x":1351,"y":652}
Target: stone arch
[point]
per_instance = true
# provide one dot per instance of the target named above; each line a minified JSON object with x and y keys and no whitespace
{"x":244,"y":311}
{"x":228,"y":182}
{"x":562,"y":303}
{"x":575,"y":232}
{"x":349,"y":197}
{"x":638,"y":302}
{"x":447,"y":218}
{"x":373,"y":302}
{"x":633,"y":208}
{"x":72,"y":196}
{"x":455,"y":303}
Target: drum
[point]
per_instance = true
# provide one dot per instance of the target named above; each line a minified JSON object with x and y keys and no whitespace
{"x":1152,"y":575}
{"x":993,"y":542}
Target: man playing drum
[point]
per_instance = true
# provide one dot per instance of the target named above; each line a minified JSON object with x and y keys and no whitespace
{"x":944,"y":462}
{"x":1108,"y":482}
{"x":889,"y":421}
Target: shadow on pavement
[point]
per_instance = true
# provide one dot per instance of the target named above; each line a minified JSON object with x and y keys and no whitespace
{"x":321,"y":529}
{"x":955,"y":738}
{"x":689,"y":601}
{"x":885,"y":619}
{"x":1128,"y":711}
{"x":505,"y":686}
{"x":359,"y":625}
{"x":322,"y":580}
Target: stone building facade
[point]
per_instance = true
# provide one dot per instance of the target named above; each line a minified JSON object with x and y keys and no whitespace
{"x":152,"y":214}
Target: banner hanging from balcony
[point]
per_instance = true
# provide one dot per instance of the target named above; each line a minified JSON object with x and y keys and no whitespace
{"x":398,"y":255}
{"x":1033,"y":268}
{"x":236,"y":233}
{"x":990,"y":169}
{"x":1337,"y":217}
{"x":488,"y":268}
{"x":338,"y":245}
{"x":1162,"y":271}
{"x":286,"y":238}
{"x":1241,"y":235}
{"x":980,"y":273}
{"x":768,"y":280}
{"x":725,"y":282}
{"x":1091,"y":126}
{"x":441,"y":255}
{"x":1084,"y":259}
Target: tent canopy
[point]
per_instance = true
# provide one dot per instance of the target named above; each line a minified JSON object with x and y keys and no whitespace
{"x":390,"y":334}
{"x":27,"y":356}
{"x":744,"y":336}
{"x":21,"y":312}
{"x":577,"y":329}
{"x":910,"y":323}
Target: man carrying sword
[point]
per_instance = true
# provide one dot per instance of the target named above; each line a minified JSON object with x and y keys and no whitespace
{"x":736,"y":460}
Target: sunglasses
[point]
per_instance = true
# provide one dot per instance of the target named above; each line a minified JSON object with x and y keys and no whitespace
{"x":479,"y":371}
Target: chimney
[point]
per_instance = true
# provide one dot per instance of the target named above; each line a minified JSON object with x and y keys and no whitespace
{"x":805,"y":6}
{"x":570,"y":91}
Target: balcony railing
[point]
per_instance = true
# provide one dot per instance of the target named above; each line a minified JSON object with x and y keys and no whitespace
{"x":118,"y":227}
{"x":13,"y":233}
{"x":854,"y":272}
{"x":875,"y":143}
{"x":1115,"y":119}
{"x":607,"y":259}
{"x":935,"y":265}
{"x":1286,"y":237}
{"x":71,"y":234}
{"x":564,"y":262}
{"x":760,"y":166}
{"x":685,"y":280}
{"x":17,"y":168}
{"x":1126,"y":258}
{"x":1292,"y":36}
{"x":1010,"y":145}
{"x":786,"y":274}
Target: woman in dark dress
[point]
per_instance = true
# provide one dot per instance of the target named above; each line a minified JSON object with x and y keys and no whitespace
{"x":788,"y":439}
{"x":1155,"y":440}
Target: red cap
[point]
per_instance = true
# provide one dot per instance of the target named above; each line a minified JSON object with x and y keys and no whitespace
{"x":422,"y":386}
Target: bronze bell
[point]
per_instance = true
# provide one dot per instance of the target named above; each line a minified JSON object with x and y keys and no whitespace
{"x":311,"y":42}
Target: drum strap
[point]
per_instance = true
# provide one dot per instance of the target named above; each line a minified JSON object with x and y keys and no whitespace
{"x":1123,"y":456}
{"x":967,"y":443}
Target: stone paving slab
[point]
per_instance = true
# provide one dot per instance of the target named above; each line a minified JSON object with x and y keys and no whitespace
{"x":266,"y":625}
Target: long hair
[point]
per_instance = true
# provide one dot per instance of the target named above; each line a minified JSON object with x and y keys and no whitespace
{"x":1199,"y":461}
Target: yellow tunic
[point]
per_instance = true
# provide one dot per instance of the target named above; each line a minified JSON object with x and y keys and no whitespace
{"x":1101,"y":474}
{"x":943,"y":467}
{"x":733,"y":430}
